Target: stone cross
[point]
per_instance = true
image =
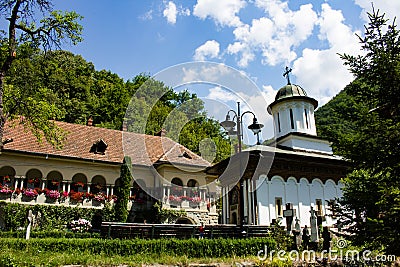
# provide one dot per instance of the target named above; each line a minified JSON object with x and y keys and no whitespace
{"x":286,"y":73}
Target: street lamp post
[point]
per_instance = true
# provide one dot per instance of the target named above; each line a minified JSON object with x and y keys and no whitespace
{"x":229,"y":126}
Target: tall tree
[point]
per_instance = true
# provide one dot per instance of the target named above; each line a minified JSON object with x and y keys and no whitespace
{"x":122,"y":191}
{"x":53,"y":28}
{"x":372,"y":190}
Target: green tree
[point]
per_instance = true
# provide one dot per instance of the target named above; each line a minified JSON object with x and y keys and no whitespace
{"x":53,"y":28}
{"x":122,"y":192}
{"x":372,"y":189}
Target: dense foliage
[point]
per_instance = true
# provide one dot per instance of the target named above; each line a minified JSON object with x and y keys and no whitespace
{"x":364,"y":126}
{"x":35,"y":24}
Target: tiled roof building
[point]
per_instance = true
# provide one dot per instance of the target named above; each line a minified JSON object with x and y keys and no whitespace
{"x":89,"y":163}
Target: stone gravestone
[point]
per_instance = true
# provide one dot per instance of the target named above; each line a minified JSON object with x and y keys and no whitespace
{"x":28,"y":228}
{"x":314,"y":239}
{"x":289,"y":214}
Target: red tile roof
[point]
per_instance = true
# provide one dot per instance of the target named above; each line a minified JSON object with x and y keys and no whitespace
{"x":143,"y":149}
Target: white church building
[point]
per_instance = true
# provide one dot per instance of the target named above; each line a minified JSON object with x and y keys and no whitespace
{"x":297,"y":168}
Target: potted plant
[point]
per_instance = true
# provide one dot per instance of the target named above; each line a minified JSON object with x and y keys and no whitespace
{"x":5,"y":191}
{"x":52,"y":195}
{"x":29,"y":194}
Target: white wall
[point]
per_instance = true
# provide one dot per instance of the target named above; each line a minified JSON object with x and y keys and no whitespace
{"x":301,"y":193}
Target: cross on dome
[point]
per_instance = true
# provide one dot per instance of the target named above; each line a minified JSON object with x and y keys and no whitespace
{"x":286,"y":73}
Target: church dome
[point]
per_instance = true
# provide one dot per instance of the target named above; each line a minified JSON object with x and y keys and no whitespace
{"x":290,"y":90}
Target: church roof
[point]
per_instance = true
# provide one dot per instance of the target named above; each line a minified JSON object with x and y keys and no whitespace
{"x":89,"y":143}
{"x":291,"y":92}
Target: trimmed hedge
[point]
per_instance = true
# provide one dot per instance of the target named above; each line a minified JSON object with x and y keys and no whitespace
{"x":192,"y":248}
{"x":49,"y":234}
{"x":13,"y":216}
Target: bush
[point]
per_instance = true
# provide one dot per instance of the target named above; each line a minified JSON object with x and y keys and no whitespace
{"x":13,"y":216}
{"x":192,"y":248}
{"x":48,"y":234}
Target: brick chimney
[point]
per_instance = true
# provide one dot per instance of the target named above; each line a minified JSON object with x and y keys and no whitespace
{"x":162,"y":132}
{"x":90,"y":121}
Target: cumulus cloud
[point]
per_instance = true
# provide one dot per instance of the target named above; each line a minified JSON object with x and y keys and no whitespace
{"x":223,"y":12}
{"x":275,"y":35}
{"x":321,"y":72}
{"x":209,"y":49}
{"x":171,"y":12}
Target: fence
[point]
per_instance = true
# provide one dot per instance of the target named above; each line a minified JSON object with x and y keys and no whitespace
{"x":180,"y":231}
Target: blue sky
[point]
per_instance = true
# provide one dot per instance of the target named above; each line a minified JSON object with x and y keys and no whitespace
{"x":258,"y":38}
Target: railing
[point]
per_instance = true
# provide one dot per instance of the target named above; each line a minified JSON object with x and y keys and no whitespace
{"x":184,"y":197}
{"x":180,"y":231}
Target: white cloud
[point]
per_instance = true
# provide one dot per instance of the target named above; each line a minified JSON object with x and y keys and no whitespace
{"x":390,"y":7}
{"x":321,"y":72}
{"x":223,"y":12}
{"x":217,"y":93}
{"x":275,"y":36}
{"x":171,"y":12}
{"x":209,"y":49}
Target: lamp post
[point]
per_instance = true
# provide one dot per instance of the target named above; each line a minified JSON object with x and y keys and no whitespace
{"x":229,"y":126}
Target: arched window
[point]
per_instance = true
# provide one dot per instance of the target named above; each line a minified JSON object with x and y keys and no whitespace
{"x":192,"y":183}
{"x":79,"y":183}
{"x":98,"y":185}
{"x":177,"y":181}
{"x":291,"y":118}
{"x":279,"y":123}
{"x":177,"y":186}
{"x":193,"y":191}
{"x":306,"y":114}
{"x":54,"y":179}
{"x":7,"y":174}
{"x":33,"y":179}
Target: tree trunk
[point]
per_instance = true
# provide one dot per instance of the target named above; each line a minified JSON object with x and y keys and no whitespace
{"x":2,"y":116}
{"x":12,"y":46}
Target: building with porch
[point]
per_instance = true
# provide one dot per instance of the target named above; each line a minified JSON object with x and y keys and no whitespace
{"x":296,"y":168}
{"x":85,"y":171}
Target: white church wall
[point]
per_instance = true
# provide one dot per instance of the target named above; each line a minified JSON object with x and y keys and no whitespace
{"x":303,"y":195}
{"x":292,"y":193}
{"x":304,"y":202}
{"x":317,"y":192}
{"x":276,"y":191}
{"x":263,"y":200}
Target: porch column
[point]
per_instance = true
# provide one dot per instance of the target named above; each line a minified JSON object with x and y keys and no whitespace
{"x":112,"y":190}
{"x":69,"y":186}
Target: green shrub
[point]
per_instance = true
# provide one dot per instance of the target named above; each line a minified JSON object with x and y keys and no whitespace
{"x":48,"y":234}
{"x":192,"y":248}
{"x":48,"y":217}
